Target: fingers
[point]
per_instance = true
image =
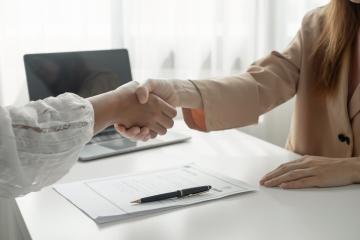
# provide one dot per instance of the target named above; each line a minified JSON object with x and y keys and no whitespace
{"x":120,"y":128}
{"x":165,"y":121}
{"x":143,"y":135}
{"x":288,"y":177}
{"x":284,"y":168}
{"x":167,"y":109}
{"x":301,"y":173}
{"x":144,"y":90}
{"x":153,"y":134}
{"x":159,"y":129}
{"x":142,"y":94}
{"x":168,"y":113}
{"x":301,"y":183}
{"x":134,"y":133}
{"x":159,"y":120}
{"x":128,"y":133}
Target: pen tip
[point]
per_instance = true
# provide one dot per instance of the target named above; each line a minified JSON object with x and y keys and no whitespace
{"x":136,"y":201}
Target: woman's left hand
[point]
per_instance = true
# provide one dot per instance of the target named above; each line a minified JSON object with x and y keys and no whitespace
{"x":311,"y":171}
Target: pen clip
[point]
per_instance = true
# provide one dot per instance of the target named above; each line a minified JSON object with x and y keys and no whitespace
{"x":194,"y":194}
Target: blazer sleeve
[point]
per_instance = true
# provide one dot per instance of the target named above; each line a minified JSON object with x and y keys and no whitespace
{"x":237,"y":101}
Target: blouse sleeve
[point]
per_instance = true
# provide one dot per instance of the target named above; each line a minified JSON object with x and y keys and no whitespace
{"x":40,"y":142}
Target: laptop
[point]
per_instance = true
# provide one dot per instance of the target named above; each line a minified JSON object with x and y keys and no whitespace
{"x":86,"y":74}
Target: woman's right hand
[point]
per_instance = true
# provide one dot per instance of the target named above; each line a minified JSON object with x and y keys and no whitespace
{"x":165,"y":89}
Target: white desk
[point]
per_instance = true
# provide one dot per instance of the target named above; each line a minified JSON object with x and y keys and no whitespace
{"x":266,"y":214}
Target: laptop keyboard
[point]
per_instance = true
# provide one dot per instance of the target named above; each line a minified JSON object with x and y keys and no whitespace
{"x":106,"y":136}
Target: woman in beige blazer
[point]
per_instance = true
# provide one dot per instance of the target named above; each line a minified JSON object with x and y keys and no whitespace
{"x":320,"y":67}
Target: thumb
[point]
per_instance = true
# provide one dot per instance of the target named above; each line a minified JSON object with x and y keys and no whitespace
{"x":120,"y":128}
{"x":143,"y":91}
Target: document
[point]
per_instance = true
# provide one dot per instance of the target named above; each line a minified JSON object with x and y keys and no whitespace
{"x":108,"y":199}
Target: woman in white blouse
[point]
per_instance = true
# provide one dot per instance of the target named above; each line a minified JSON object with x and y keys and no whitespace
{"x":40,"y":141}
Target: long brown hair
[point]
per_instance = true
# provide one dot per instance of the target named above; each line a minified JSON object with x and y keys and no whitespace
{"x":340,"y":27}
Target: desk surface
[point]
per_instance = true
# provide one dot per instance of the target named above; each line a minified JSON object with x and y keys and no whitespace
{"x":266,"y":214}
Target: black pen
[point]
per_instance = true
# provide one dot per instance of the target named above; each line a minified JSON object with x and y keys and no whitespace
{"x":177,"y":194}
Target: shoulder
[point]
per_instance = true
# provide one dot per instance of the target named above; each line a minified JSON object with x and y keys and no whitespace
{"x":314,"y":19}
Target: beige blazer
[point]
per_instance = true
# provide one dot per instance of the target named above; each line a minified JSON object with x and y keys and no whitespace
{"x":322,"y":126}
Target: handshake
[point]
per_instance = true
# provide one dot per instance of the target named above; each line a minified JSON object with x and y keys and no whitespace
{"x":141,"y":112}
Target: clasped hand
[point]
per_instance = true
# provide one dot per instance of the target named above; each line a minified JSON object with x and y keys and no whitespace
{"x":122,"y":107}
{"x":166,"y":90}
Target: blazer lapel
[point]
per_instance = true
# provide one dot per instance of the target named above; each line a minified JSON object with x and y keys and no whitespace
{"x":354,"y":104}
{"x":338,"y":103}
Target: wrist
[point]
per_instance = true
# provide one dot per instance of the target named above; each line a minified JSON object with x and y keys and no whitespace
{"x":188,"y":94}
{"x":116,"y":107}
{"x":104,"y":113}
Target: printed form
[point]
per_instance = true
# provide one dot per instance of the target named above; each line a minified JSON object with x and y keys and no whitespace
{"x":108,"y":199}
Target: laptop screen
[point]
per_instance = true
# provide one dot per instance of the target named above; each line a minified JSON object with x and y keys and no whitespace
{"x":83,"y":73}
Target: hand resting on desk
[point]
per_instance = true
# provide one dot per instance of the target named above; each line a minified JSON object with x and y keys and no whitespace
{"x":312,"y":171}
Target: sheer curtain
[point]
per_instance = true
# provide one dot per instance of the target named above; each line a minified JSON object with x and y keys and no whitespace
{"x":195,"y":39}
{"x":166,"y":38}
{"x":189,"y":39}
{"x":45,"y":26}
{"x":209,"y":38}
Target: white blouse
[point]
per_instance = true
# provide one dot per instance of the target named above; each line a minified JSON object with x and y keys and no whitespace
{"x":39,"y":143}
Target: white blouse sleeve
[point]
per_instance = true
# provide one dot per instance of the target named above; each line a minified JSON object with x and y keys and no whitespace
{"x":40,"y":142}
